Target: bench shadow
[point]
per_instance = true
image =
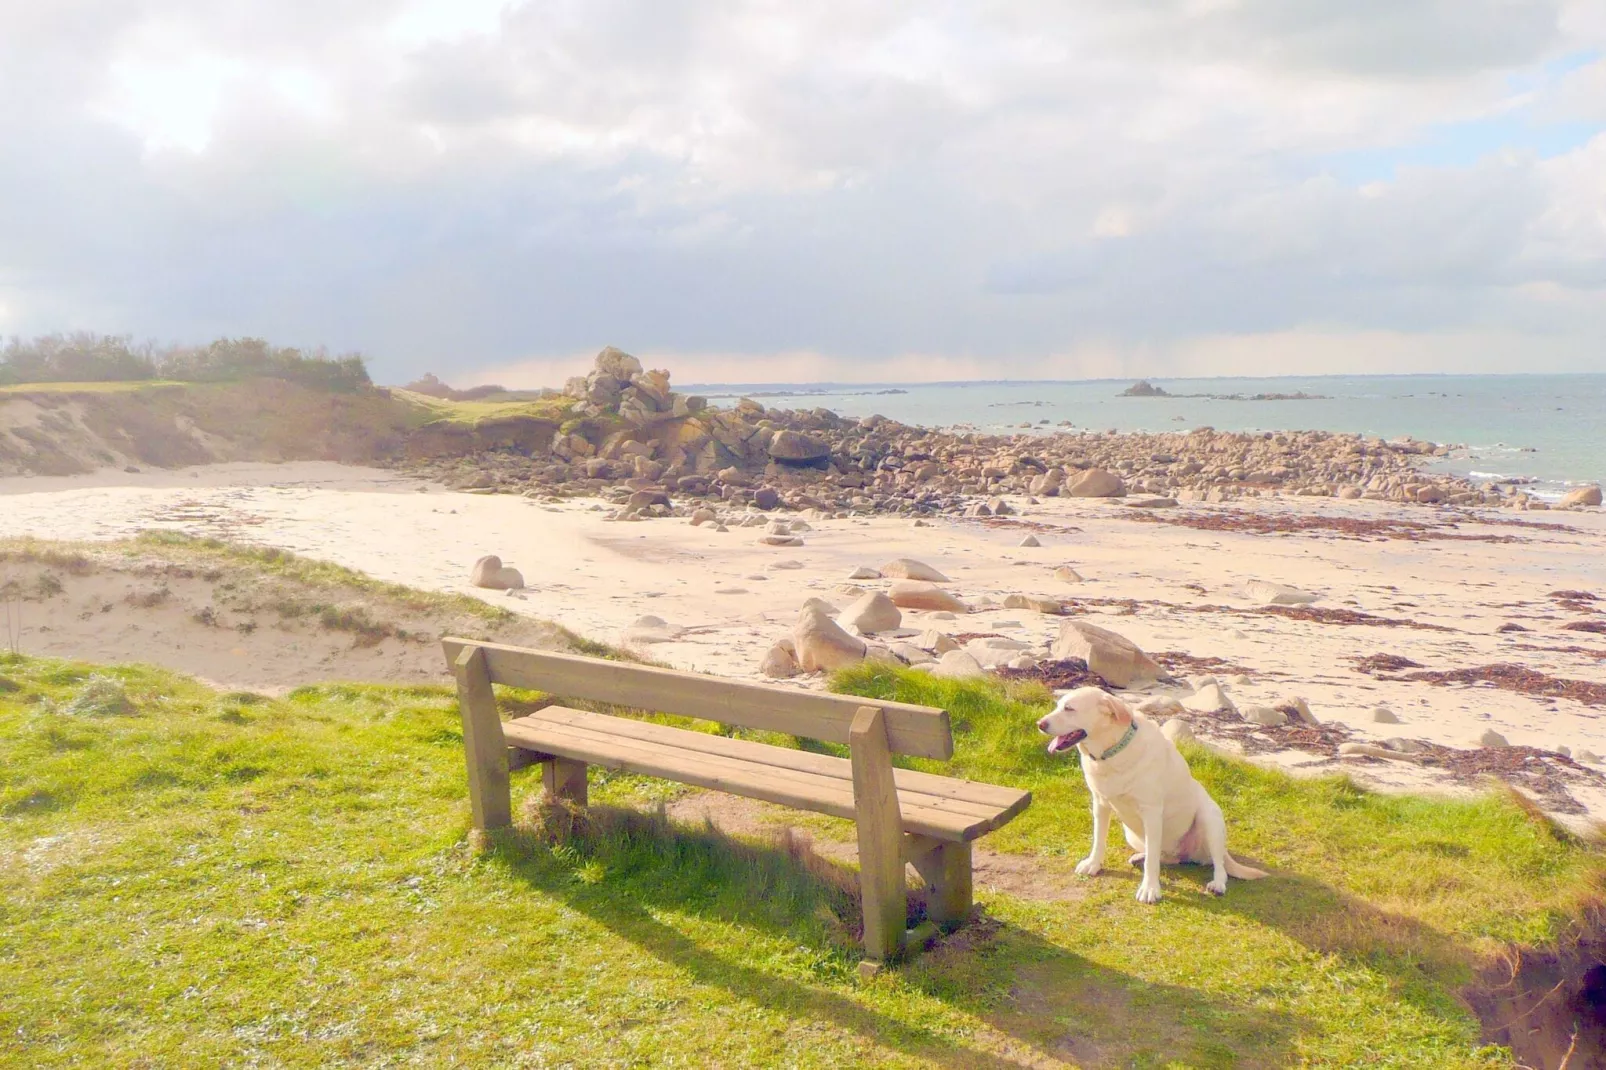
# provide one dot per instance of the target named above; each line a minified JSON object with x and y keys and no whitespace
{"x":1046,"y":1002}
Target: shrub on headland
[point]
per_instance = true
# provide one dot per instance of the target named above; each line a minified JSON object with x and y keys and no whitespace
{"x":87,"y":357}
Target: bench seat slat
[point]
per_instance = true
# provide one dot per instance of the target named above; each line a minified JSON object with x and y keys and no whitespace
{"x":940,"y":807}
{"x":983,"y":800}
{"x":691,"y":749}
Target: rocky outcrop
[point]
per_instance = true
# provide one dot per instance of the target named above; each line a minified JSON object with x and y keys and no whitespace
{"x":1582,"y":496}
{"x":1113,"y":657}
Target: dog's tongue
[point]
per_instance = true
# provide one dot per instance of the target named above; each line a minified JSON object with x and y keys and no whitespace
{"x":1066,"y":742}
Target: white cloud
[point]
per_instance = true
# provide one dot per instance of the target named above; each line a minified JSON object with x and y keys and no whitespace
{"x":854,"y":188}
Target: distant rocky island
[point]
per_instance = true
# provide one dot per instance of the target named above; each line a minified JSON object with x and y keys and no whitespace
{"x":1145,"y":389}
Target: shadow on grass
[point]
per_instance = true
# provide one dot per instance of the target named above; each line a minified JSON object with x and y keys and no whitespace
{"x":621,"y":867}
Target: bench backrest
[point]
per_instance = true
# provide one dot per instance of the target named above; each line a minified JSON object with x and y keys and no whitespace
{"x":919,"y":731}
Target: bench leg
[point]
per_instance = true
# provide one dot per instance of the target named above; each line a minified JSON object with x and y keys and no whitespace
{"x":489,"y":794}
{"x":564,"y":779}
{"x":946,"y":869}
{"x":880,"y":827}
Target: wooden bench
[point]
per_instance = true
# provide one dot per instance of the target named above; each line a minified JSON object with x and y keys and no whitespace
{"x":903,"y":816}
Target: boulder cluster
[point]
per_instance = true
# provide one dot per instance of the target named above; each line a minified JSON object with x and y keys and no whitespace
{"x":629,"y":435}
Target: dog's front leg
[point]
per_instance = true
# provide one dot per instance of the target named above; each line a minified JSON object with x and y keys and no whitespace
{"x":1090,"y":866}
{"x":1153,"y":832}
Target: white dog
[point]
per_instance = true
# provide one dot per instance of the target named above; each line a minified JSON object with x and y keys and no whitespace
{"x":1134,"y":771}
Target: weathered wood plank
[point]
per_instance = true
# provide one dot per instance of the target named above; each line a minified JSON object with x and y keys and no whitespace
{"x":947,"y":873}
{"x":985,"y":799}
{"x":798,"y":789}
{"x":915,"y":730}
{"x":565,"y":778}
{"x":880,"y":836}
{"x":484,"y":748}
{"x":786,"y":763}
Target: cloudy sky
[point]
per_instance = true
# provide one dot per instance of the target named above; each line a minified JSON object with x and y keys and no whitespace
{"x":782,"y":191}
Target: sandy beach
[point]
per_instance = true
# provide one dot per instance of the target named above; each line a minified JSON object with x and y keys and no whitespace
{"x":1428,"y":586}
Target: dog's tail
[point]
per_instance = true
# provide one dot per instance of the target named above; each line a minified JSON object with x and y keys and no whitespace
{"x":1238,"y":871}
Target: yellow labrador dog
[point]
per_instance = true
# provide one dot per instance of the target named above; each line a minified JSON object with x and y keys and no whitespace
{"x":1135,"y":772}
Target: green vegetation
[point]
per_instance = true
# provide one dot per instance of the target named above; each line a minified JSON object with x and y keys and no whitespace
{"x":428,"y":411}
{"x":85,"y":357}
{"x":198,"y":878}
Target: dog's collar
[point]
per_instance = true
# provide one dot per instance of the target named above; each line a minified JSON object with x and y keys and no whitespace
{"x":1125,"y":740}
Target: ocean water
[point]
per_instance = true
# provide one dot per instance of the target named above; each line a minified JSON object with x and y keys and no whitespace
{"x":1548,"y":428}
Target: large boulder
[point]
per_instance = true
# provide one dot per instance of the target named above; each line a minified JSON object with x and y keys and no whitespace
{"x":1096,"y":483}
{"x":1277,"y":594}
{"x":1583,"y":496}
{"x":780,"y":662}
{"x":490,"y":573}
{"x":913,"y":594}
{"x":618,"y":364}
{"x":822,"y":645}
{"x":1113,"y":657}
{"x":907,"y":568}
{"x":797,"y":448}
{"x":873,"y":612}
{"x":958,"y":665}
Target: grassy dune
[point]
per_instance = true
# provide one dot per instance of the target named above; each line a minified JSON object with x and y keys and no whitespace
{"x":190,"y":878}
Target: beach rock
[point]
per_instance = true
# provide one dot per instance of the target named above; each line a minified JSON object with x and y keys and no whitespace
{"x":1096,"y":483}
{"x":1113,"y":657}
{"x":815,"y":602}
{"x":822,"y":645}
{"x":490,"y":573}
{"x":1384,"y":715}
{"x":910,"y":654}
{"x":1051,"y":606}
{"x":702,"y":516}
{"x":616,"y":364}
{"x":864,"y":572}
{"x":1589,"y":756}
{"x":766,"y":498}
{"x":651,"y":630}
{"x":1030,"y":540}
{"x":1491,"y":738}
{"x":780,"y":661}
{"x":1068,"y":574}
{"x":1265,"y":716}
{"x":1177,"y":731}
{"x":913,"y":594}
{"x":798,"y":448}
{"x":1208,"y":699}
{"x":1582,"y":496}
{"x":1277,"y":594}
{"x":788,"y":565}
{"x":1159,"y":707}
{"x":780,"y":540}
{"x":1298,"y":710}
{"x":1024,"y":663}
{"x":1357,"y":749}
{"x":905,"y":568}
{"x":874,"y":612}
{"x":938,"y":643}
{"x":1151,"y":503}
{"x":958,"y":665}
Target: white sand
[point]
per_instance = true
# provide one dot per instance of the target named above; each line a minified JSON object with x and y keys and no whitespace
{"x":597,"y":577}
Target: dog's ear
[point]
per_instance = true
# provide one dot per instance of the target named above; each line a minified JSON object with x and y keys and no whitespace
{"x":1115,"y":709}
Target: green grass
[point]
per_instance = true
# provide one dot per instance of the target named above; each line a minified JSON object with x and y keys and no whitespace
{"x":217,"y":879}
{"x":215,"y":556}
{"x":430,"y":410}
{"x":118,"y":387}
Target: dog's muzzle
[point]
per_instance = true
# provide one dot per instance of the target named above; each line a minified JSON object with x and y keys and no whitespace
{"x":1060,"y":744}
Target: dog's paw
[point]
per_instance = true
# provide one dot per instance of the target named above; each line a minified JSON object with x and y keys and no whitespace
{"x":1217,"y":887}
{"x":1089,"y":867}
{"x":1148,"y":893}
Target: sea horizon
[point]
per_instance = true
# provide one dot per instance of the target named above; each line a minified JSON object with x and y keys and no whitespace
{"x":1544,"y":427}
